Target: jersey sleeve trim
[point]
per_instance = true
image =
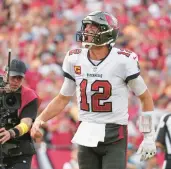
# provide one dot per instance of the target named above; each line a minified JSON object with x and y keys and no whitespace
{"x":132,"y":77}
{"x":68,"y":76}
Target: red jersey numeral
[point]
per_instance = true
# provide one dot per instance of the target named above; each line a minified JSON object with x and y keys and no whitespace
{"x":83,"y":103}
{"x":125,"y":52}
{"x":97,"y":97}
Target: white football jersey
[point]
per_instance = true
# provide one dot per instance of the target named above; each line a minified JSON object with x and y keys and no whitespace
{"x":102,"y":91}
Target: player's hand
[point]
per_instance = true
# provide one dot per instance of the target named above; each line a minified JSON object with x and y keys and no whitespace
{"x":4,"y":135}
{"x":147,"y":148}
{"x":36,"y":131}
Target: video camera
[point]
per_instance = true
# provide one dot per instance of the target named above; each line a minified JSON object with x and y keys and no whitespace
{"x":8,"y":99}
{"x":10,"y":102}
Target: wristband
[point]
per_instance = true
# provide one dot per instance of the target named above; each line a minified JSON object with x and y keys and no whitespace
{"x":24,"y":128}
{"x":145,"y":122}
{"x":17,"y":132}
{"x":14,"y":132}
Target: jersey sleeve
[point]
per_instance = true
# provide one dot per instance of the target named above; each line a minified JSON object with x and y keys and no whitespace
{"x":68,"y":88}
{"x":68,"y":67}
{"x":132,"y":69}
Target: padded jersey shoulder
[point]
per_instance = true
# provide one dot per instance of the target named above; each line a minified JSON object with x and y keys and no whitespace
{"x":124,"y":54}
{"x":74,"y":54}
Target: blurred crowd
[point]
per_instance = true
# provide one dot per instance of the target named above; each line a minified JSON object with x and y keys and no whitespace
{"x":40,"y":32}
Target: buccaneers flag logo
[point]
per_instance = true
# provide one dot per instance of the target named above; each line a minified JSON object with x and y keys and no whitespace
{"x":77,"y":70}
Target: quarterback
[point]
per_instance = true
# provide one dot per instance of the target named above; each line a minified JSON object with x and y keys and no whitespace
{"x":101,"y":76}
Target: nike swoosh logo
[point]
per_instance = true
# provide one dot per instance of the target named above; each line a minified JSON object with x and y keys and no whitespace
{"x":102,"y":18}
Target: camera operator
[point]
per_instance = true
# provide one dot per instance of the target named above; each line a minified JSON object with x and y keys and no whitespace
{"x":17,"y":146}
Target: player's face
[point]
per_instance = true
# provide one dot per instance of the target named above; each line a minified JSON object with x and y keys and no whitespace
{"x":91,"y":28}
{"x":15,"y":82}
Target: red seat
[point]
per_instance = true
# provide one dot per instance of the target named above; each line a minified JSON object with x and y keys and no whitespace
{"x":58,"y":157}
{"x":34,"y":163}
{"x":63,"y":139}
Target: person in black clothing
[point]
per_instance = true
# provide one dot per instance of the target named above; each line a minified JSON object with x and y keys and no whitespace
{"x":17,"y":147}
{"x":163,"y":139}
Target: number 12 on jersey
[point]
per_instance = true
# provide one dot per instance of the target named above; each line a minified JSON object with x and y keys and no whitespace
{"x":97,"y":97}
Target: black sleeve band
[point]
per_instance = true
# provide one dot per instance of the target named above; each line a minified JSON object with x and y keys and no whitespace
{"x":17,"y":132}
{"x":132,"y":77}
{"x":68,"y":76}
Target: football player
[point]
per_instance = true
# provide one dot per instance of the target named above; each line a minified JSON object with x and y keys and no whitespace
{"x":102,"y":75}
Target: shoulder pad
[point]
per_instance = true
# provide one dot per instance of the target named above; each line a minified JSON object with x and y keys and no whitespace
{"x":124,"y":52}
{"x":128,"y":54}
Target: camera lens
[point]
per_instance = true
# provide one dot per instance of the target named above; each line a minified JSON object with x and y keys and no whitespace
{"x":11,"y":100}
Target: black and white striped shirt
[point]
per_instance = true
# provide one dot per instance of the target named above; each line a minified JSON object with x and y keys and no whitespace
{"x":164,"y":132}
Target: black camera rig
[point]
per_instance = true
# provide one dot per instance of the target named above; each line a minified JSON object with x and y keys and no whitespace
{"x":8,"y":99}
{"x":10,"y":102}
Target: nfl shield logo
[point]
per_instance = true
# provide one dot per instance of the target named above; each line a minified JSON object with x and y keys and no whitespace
{"x":77,"y":70}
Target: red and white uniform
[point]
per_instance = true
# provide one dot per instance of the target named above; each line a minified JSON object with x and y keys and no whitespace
{"x":101,"y":86}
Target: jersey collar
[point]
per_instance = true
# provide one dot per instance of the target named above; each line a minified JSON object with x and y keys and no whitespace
{"x":88,"y":56}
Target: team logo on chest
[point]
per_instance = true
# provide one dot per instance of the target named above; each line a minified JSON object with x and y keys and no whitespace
{"x":77,"y":70}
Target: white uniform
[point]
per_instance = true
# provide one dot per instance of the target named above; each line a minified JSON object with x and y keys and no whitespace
{"x":102,"y":91}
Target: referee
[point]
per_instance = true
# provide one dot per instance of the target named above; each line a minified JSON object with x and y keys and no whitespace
{"x":163,"y":139}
